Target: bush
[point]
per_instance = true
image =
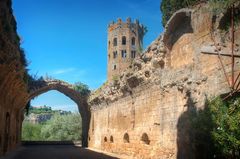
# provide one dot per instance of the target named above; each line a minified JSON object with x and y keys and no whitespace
{"x":63,"y":127}
{"x":226,"y":132}
{"x":82,"y":88}
{"x":31,"y":132}
{"x":216,"y":129}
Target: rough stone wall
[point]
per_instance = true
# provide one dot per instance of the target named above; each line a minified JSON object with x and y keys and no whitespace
{"x":13,"y":89}
{"x":118,"y":30}
{"x":144,"y":114}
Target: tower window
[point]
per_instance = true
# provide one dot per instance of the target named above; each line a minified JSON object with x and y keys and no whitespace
{"x":109,"y":43}
{"x":133,"y":54}
{"x":124,"y":40}
{"x":115,"y":42}
{"x":114,"y":67}
{"x":124,"y":53}
{"x":114,"y":54}
{"x":133,"y":41}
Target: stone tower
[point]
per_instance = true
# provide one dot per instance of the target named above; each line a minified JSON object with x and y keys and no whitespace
{"x":124,"y":44}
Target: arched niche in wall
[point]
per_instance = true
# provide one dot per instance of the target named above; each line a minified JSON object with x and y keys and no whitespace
{"x":178,"y":25}
{"x":111,"y":139}
{"x":105,"y":139}
{"x":126,"y":138}
{"x":145,"y":139}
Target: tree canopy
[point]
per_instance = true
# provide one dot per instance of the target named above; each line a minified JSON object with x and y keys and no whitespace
{"x":58,"y":128}
{"x":168,"y":7}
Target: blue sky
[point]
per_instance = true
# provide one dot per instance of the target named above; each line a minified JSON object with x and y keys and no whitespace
{"x":67,"y":39}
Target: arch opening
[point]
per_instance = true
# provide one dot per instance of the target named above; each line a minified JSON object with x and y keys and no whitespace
{"x":52,"y":117}
{"x":69,"y":91}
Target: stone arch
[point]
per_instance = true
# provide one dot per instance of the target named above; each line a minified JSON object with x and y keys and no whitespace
{"x":42,"y":86}
{"x":126,"y":138}
{"x":145,"y":139}
{"x":178,"y":25}
{"x":111,"y":139}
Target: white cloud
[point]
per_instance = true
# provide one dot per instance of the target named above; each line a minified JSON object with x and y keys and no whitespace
{"x":63,"y":71}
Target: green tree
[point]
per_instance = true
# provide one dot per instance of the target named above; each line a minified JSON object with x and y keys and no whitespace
{"x":226,"y":132}
{"x":31,"y":132}
{"x":216,"y":129}
{"x":63,"y":127}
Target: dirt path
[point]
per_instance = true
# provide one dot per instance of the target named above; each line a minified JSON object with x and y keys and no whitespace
{"x":55,"y":152}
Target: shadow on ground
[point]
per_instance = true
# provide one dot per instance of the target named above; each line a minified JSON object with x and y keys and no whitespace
{"x":55,"y":152}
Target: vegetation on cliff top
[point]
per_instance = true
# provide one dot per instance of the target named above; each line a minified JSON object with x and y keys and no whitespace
{"x":46,"y":110}
{"x":169,"y":7}
{"x":82,"y":88}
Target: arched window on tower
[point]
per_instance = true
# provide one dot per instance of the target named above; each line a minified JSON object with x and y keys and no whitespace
{"x":114,"y":54}
{"x":114,"y":67}
{"x":124,"y":40}
{"x":124,"y":54}
{"x":133,"y":41}
{"x":133,"y":54}
{"x":115,"y":42}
